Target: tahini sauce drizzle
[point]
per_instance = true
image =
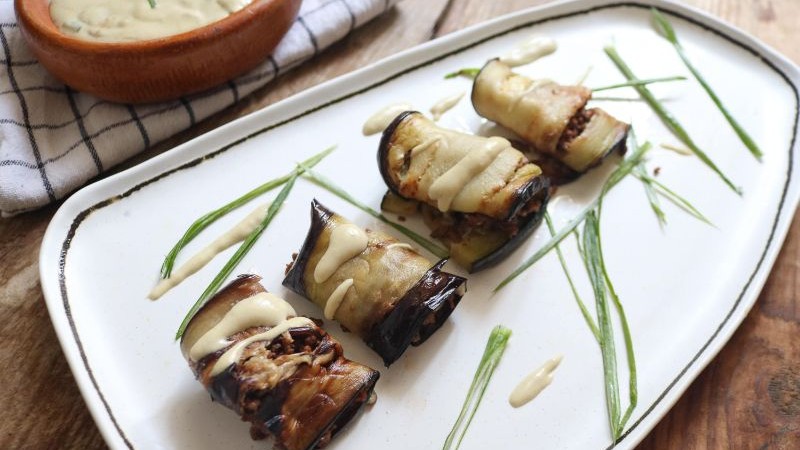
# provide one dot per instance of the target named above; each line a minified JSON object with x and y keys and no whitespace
{"x":347,"y":241}
{"x":336,"y":297}
{"x":199,"y":260}
{"x":679,"y":150}
{"x":534,"y":383}
{"x":261,"y":309}
{"x":135,"y":20}
{"x":378,"y":122}
{"x":234,"y":354}
{"x":450,"y":183}
{"x":445,"y":104}
{"x":529,"y":51}
{"x":535,"y":84}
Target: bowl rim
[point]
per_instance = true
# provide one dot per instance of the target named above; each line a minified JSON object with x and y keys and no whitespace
{"x":214,"y":30}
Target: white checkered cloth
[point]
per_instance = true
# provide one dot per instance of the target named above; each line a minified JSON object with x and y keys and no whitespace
{"x":54,"y":139}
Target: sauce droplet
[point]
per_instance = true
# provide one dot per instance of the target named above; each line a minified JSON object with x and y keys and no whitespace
{"x":346,"y":241}
{"x":378,"y":122}
{"x":336,"y":298}
{"x":445,"y":104}
{"x":534,"y":383}
{"x":529,"y":51}
{"x":236,"y":234}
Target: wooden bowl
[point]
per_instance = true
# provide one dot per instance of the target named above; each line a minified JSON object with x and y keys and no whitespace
{"x":158,"y":69}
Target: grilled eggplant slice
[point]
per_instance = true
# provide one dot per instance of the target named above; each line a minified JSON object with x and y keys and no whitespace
{"x":388,"y":294}
{"x":455,"y":171}
{"x":294,"y":385}
{"x":551,"y":117}
{"x":492,"y":199}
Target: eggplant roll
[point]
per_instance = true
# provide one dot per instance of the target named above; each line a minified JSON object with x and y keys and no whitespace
{"x":551,"y":117}
{"x":479,"y":195}
{"x":378,"y":288}
{"x":454,"y":171}
{"x":283,"y":374}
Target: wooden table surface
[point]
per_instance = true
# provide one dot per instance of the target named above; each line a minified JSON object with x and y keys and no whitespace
{"x":748,"y":397}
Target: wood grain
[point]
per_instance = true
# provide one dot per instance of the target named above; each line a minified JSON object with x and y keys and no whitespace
{"x":748,"y":397}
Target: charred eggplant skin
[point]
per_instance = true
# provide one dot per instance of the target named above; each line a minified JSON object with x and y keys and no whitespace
{"x":521,"y":196}
{"x":272,"y":419}
{"x":435,"y":295}
{"x":224,"y":389}
{"x":473,"y":94}
{"x":409,"y":319}
{"x":383,"y":150}
{"x":537,"y":186}
{"x":320,"y":216}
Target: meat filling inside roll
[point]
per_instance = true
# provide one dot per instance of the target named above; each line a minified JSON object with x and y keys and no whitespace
{"x":280,"y":372}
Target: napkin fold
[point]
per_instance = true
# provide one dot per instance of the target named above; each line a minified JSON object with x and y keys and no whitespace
{"x":53,"y":139}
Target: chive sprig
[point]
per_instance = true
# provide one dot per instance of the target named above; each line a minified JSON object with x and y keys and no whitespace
{"x":243,"y":249}
{"x":207,"y":219}
{"x":667,"y":118}
{"x":495,"y":346}
{"x":625,"y":168}
{"x":664,"y":27}
{"x":581,"y":305}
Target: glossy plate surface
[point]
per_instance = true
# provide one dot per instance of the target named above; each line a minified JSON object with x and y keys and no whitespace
{"x":686,"y":287}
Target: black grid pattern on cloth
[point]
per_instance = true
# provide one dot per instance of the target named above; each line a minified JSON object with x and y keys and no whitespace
{"x":53,"y":139}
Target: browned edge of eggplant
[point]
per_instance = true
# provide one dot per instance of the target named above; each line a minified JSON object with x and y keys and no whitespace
{"x":356,"y":402}
{"x":383,"y":149}
{"x":525,"y":229}
{"x":527,"y":192}
{"x":224,"y":389}
{"x":621,"y":146}
{"x":418,"y":314}
{"x":524,"y":193}
{"x":294,"y":277}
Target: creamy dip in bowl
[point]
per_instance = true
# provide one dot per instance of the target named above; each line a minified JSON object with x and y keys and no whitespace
{"x":99,"y":56}
{"x":137,"y":20}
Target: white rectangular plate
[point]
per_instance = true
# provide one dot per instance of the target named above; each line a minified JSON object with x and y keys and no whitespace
{"x":686,"y":287}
